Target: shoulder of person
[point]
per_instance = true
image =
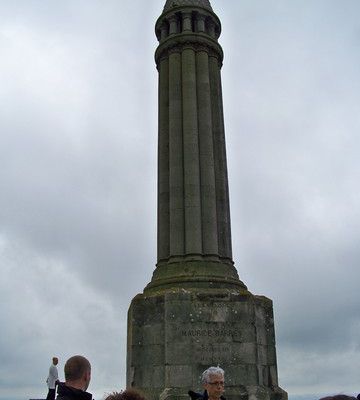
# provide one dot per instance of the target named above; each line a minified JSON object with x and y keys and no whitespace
{"x":194,"y":395}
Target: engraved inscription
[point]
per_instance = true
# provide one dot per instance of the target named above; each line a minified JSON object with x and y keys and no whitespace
{"x":212,"y":305}
{"x":212,"y":353}
{"x":210,"y":332}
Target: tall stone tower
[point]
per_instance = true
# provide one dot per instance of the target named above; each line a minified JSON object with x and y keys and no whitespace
{"x":196,"y":312}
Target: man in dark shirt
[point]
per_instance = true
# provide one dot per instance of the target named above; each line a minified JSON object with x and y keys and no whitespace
{"x":77,"y":378}
{"x":213,"y":382}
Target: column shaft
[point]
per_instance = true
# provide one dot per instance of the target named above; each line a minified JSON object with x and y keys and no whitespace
{"x":221,"y":175}
{"x":193,"y":239}
{"x":177,"y":245}
{"x":163,"y":162}
{"x":207,"y":166}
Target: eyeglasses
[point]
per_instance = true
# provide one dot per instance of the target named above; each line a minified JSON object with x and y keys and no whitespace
{"x":219,"y":383}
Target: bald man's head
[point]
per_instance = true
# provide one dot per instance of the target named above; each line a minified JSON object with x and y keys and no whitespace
{"x":77,"y":372}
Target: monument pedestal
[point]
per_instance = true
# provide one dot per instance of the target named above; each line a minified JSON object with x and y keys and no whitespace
{"x":175,"y":334}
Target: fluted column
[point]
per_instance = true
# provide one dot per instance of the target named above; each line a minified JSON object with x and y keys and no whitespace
{"x":194,"y":234}
{"x":163,"y":162}
{"x":221,"y":175}
{"x":176,"y":156}
{"x":192,"y":201}
{"x":206,"y":150}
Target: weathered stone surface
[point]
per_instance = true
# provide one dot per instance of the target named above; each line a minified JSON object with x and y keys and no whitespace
{"x":195,"y":329}
{"x":197,"y":3}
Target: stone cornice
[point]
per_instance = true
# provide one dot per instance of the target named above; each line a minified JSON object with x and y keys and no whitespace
{"x":197,"y":41}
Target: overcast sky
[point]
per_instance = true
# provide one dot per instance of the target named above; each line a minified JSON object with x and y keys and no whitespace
{"x":78,"y":142}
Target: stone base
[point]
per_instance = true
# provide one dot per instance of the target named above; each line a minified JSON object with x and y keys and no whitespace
{"x":174,"y":335}
{"x":189,"y":272}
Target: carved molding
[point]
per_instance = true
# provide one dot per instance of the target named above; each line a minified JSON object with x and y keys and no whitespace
{"x":172,"y":50}
{"x":197,"y":42}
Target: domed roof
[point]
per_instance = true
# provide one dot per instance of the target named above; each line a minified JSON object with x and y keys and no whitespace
{"x":197,"y":3}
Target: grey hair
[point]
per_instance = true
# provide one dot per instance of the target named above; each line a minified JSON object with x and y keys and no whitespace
{"x":205,"y":377}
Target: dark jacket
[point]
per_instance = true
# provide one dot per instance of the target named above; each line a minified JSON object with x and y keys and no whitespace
{"x":199,"y":396}
{"x":70,"y":393}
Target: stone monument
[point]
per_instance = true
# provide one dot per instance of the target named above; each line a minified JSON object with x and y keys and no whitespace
{"x":196,"y":312}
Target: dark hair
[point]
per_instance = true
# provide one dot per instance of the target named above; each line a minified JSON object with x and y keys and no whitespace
{"x":129,"y":394}
{"x":75,"y":368}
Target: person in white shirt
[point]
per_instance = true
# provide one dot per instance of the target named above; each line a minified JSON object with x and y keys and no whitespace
{"x":53,"y":379}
